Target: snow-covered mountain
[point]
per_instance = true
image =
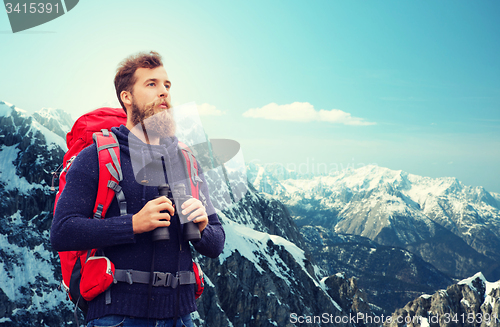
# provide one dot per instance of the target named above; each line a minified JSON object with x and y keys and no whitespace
{"x":471,"y":302}
{"x":450,"y":225}
{"x":56,"y":120}
{"x":263,"y":276}
{"x":29,"y":276}
{"x":390,"y":276}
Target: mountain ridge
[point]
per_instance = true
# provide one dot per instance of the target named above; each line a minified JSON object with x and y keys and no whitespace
{"x":396,"y":208}
{"x":471,"y":302}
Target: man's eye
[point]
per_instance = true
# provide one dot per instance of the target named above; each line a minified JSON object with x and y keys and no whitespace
{"x":167,"y":86}
{"x":152,"y":84}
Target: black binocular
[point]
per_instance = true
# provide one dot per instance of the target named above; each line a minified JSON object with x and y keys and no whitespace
{"x":191,"y":232}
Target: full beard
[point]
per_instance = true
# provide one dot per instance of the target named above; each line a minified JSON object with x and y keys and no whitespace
{"x":156,"y":122}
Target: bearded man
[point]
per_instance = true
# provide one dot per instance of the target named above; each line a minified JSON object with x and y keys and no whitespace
{"x":143,"y":89}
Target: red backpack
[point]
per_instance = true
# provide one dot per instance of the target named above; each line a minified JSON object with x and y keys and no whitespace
{"x":84,"y":274}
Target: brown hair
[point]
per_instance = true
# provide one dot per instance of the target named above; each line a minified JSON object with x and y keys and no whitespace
{"x":125,"y":79}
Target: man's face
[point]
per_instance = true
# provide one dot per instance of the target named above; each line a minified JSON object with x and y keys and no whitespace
{"x":151,"y":85}
{"x":151,"y":96}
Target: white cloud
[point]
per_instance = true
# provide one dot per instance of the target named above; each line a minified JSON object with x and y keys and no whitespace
{"x":304,"y":112}
{"x":206,"y":109}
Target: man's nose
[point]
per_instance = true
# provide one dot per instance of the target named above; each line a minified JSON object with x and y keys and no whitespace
{"x":164,"y":92}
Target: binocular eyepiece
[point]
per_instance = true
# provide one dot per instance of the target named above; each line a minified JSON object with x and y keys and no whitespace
{"x":191,"y":232}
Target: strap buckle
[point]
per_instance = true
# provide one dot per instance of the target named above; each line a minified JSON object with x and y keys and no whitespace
{"x":162,"y":279}
{"x":129,"y":278}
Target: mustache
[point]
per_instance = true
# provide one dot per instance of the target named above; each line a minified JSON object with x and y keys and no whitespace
{"x":157,"y":103}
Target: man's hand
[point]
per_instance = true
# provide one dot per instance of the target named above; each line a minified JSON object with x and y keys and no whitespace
{"x":150,"y":217}
{"x":198,"y":212}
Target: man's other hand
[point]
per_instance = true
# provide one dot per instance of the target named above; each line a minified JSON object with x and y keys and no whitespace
{"x":198,"y":212}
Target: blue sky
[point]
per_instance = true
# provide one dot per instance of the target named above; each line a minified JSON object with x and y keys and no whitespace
{"x":410,"y":85}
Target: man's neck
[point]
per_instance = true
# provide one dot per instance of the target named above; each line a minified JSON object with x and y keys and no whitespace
{"x":141,"y":133}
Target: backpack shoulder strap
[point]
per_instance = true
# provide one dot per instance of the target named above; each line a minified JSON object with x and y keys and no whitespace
{"x":110,"y":174}
{"x":191,"y":170}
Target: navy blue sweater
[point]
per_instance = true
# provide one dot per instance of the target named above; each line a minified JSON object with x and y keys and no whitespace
{"x":73,"y":230}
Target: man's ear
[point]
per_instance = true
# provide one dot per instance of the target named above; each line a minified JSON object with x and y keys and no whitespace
{"x":126,"y":97}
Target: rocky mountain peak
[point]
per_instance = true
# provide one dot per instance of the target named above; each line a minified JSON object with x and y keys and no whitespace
{"x":471,"y":302}
{"x":55,"y":120}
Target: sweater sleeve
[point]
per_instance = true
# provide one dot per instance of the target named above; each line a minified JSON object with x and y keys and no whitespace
{"x":213,"y":236}
{"x":73,"y":227}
